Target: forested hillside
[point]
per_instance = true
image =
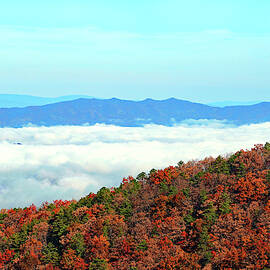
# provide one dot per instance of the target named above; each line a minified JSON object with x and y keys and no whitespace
{"x":208,"y":214}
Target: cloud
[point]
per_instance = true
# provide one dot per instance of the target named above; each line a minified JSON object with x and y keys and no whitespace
{"x":99,"y":44}
{"x":68,"y":162}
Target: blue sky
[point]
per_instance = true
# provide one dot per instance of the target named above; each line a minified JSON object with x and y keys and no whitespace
{"x":204,"y":50}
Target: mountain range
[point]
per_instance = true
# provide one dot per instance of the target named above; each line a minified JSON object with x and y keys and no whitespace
{"x":12,"y":100}
{"x":17,"y":100}
{"x":227,"y":103}
{"x":85,"y":111}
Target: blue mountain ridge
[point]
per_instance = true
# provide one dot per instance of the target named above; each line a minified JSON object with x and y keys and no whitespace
{"x":12,"y":100}
{"x":129,"y":113}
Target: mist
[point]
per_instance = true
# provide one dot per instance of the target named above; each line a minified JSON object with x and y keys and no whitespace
{"x":39,"y":164}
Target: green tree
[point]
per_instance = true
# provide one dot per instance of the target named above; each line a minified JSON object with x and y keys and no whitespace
{"x":99,"y":264}
{"x":50,"y":254}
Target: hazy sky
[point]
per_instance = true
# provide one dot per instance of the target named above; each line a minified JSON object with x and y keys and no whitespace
{"x":201,"y":50}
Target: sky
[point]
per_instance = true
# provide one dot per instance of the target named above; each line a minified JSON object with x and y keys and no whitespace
{"x":199,"y":50}
{"x":68,"y":162}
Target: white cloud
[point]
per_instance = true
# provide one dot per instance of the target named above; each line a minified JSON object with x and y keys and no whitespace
{"x":68,"y":162}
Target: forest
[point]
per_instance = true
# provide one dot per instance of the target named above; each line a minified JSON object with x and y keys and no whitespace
{"x":207,"y":214}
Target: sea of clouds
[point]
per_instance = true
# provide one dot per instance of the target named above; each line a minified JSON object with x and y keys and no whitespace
{"x":67,"y":162}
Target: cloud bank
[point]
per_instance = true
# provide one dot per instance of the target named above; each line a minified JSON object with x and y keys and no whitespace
{"x":68,"y":162}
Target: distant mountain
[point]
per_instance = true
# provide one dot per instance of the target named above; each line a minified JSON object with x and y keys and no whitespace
{"x":10,"y":101}
{"x":232,"y":103}
{"x":129,"y":113}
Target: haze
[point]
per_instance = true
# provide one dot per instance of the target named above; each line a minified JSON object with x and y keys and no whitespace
{"x":202,"y":51}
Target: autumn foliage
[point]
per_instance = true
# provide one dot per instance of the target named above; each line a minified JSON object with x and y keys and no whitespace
{"x":208,"y":214}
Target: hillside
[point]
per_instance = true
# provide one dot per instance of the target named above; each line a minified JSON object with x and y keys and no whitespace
{"x":129,"y":113}
{"x":208,"y":214}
